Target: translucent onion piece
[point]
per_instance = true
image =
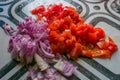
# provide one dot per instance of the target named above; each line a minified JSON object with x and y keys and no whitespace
{"x":40,"y":62}
{"x":65,"y":68}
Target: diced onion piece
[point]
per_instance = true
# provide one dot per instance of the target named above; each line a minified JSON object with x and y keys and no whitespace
{"x":59,"y":65}
{"x":66,"y":68}
{"x":46,"y":53}
{"x":40,"y":62}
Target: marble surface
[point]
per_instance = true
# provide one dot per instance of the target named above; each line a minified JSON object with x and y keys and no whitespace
{"x":100,"y":13}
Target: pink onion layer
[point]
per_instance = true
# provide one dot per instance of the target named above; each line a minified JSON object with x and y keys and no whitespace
{"x":65,"y":67}
{"x":35,"y":74}
{"x":50,"y":74}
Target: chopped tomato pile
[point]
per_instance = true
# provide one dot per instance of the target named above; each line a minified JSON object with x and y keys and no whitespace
{"x":70,"y":35}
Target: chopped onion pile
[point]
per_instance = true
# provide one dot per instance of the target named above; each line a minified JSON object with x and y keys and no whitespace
{"x":31,"y":37}
{"x":30,"y":41}
{"x":49,"y":74}
{"x":34,"y":74}
{"x":22,"y":47}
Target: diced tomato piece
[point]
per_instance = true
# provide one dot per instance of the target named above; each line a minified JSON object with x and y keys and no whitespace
{"x":73,"y":29}
{"x":99,"y":32}
{"x":38,"y":10}
{"x":54,"y":37}
{"x":90,"y":28}
{"x":87,"y":53}
{"x":102,"y":44}
{"x":56,"y":9}
{"x":112,"y":46}
{"x":66,"y":34}
{"x":96,"y":53}
{"x":92,"y":38}
{"x":34,"y":11}
{"x":54,"y":25}
{"x":69,"y":43}
{"x":102,"y":54}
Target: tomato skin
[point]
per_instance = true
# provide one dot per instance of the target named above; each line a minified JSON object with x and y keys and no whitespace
{"x":70,"y":43}
{"x":73,"y":29}
{"x":102,"y":54}
{"x":39,"y":9}
{"x":99,"y":32}
{"x":102,"y":44}
{"x":96,"y":53}
{"x":54,"y":37}
{"x":112,"y":46}
{"x":92,"y":38}
{"x":34,"y":11}
{"x":95,"y":35}
{"x":87,"y":53}
{"x":107,"y":45}
{"x":54,"y":25}
{"x":55,"y":8}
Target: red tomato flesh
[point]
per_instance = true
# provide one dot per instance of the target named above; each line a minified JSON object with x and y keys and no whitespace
{"x":70,"y":35}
